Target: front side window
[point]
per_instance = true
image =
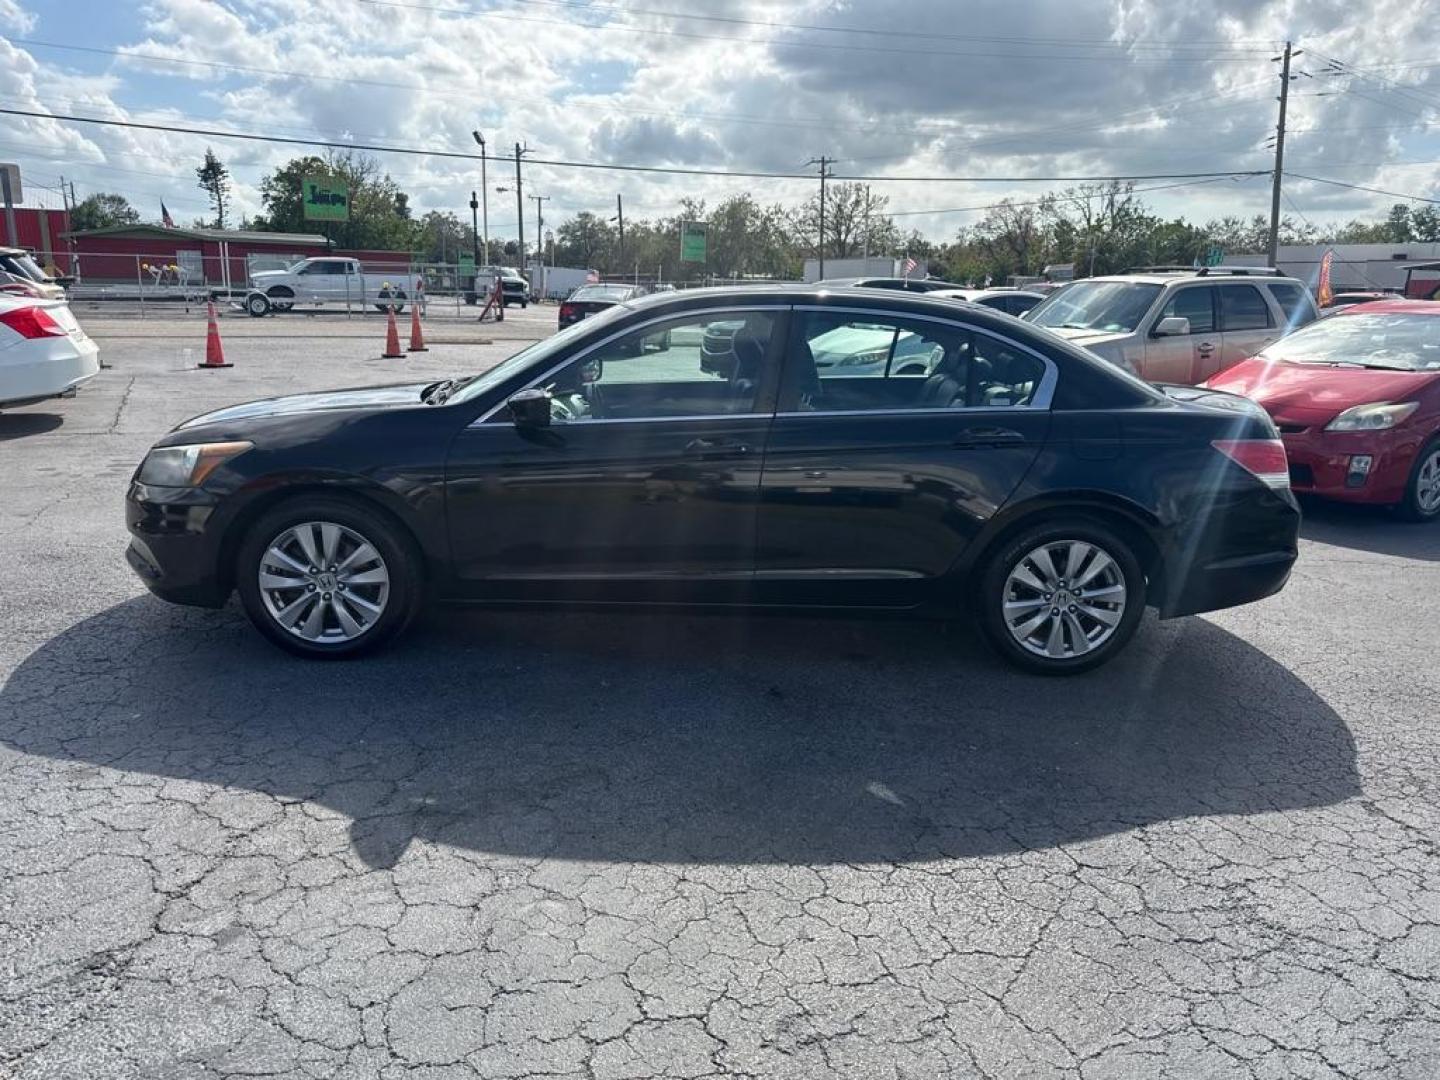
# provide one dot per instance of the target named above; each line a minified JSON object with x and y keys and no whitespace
{"x":866,"y":363}
{"x":1196,"y":304}
{"x":696,"y":365}
{"x":1243,"y":308}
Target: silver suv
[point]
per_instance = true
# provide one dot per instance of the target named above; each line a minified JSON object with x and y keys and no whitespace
{"x":1177,"y":325}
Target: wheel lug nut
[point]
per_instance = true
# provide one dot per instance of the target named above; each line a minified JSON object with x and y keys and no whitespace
{"x":340,"y":587}
{"x":314,"y":570}
{"x":1072,"y":609}
{"x":1054,"y":611}
{"x":311,"y":586}
{"x":1047,"y":597}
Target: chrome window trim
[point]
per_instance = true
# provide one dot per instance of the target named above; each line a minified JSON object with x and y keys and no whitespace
{"x":587,"y":350}
{"x":708,"y":417}
{"x":1044,"y":393}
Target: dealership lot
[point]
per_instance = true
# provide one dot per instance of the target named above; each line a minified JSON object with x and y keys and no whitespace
{"x":626,"y":846}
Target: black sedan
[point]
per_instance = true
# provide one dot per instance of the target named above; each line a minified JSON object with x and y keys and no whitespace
{"x":591,"y":299}
{"x":1012,"y":475}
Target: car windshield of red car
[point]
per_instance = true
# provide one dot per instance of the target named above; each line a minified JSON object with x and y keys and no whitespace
{"x":1400,"y":341}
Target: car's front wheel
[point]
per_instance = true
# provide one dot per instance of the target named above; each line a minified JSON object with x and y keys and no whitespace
{"x":1061,"y":598}
{"x":327,"y":578}
{"x":1422,"y":494}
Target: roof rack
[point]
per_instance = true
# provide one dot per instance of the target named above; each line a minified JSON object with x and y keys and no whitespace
{"x":1241,"y":271}
{"x":1160,"y":269}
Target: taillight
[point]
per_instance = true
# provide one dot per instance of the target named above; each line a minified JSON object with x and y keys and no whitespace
{"x":32,"y":322}
{"x":567,"y":310}
{"x":1264,"y":458}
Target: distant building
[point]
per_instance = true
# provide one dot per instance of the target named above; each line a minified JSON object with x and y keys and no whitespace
{"x":875,"y":267}
{"x":1356,"y":267}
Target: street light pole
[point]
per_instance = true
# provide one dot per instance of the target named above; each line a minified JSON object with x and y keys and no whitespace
{"x":474,"y":229}
{"x":484,"y":195}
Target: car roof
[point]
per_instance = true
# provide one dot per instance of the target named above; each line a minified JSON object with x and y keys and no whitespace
{"x":1166,"y":277}
{"x":1391,"y":307}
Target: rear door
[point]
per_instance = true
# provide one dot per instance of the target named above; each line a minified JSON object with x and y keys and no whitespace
{"x":875,"y":480}
{"x":1180,"y":358}
{"x":1246,"y":323}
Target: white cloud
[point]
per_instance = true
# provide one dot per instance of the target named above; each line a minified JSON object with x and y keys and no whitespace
{"x":988,"y":88}
{"x":16,"y":18}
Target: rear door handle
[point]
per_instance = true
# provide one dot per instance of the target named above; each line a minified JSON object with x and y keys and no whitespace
{"x":988,"y":436}
{"x":715,"y":449}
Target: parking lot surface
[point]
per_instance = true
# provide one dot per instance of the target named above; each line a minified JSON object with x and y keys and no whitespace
{"x":610,"y":846}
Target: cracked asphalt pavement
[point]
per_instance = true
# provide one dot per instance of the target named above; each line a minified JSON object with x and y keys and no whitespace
{"x":629,"y":846}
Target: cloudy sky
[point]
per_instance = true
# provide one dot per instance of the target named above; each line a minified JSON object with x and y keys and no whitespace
{"x":969,"y":89}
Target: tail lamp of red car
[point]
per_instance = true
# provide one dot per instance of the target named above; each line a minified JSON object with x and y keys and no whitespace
{"x":567,"y":311}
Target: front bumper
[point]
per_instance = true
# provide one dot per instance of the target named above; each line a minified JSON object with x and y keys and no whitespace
{"x":175,"y":544}
{"x":1321,"y":462}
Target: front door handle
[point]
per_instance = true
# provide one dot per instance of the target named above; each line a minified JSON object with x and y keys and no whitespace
{"x":988,"y":436}
{"x":715,"y":449}
{"x":1205,"y":348}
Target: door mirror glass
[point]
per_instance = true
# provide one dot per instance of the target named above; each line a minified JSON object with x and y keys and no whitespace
{"x":530,"y":408}
{"x":1172,"y":326}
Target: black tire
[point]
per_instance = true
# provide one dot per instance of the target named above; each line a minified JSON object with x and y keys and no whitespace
{"x":257,"y":306}
{"x":400,"y":558}
{"x":1410,"y":508}
{"x":994,"y":589}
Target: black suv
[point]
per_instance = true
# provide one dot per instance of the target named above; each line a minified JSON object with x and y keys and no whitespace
{"x":1010,"y":475}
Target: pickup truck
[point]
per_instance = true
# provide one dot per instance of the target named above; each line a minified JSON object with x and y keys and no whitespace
{"x":323,"y":281}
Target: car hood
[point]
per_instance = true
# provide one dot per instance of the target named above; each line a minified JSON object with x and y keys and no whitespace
{"x":369,"y":398}
{"x":1313,"y":392}
{"x":1089,"y":338}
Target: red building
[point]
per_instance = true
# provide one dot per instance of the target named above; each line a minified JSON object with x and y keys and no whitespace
{"x":130,"y":254}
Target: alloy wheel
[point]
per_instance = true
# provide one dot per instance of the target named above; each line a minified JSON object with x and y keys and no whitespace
{"x":323,"y":582}
{"x":1064,"y":599}
{"x":1427,"y":483}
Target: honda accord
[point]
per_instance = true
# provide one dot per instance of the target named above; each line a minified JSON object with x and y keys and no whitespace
{"x":1015,"y":477}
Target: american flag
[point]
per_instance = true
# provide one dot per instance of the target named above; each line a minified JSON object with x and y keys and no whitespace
{"x":165,"y":218}
{"x":910,"y":265}
{"x":1324,"y":295}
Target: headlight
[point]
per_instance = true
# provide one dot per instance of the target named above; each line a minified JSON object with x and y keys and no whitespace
{"x":874,"y":356}
{"x":1375,"y":417}
{"x":187,"y":466}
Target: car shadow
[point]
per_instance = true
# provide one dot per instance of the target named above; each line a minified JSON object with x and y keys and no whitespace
{"x":687,"y":739}
{"x":1369,"y":528}
{"x":17,"y":425}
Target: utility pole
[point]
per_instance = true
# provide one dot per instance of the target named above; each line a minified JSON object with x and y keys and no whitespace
{"x":484,"y":197}
{"x":540,"y":224}
{"x":824,"y":163}
{"x":619,"y":219}
{"x":1285,"y":78}
{"x":520,"y":206}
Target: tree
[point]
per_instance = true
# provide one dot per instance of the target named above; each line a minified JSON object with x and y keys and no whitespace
{"x":1425,"y":224}
{"x":102,"y":210}
{"x":379,"y":210}
{"x":443,"y":237}
{"x":214,"y":179}
{"x":855,"y":220}
{"x":1397,"y":224}
{"x":586,"y":240}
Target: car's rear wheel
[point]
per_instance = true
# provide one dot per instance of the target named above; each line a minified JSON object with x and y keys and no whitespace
{"x":326,"y":578}
{"x":1062,"y":597}
{"x":1422,"y":494}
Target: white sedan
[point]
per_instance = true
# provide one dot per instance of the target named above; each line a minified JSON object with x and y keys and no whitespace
{"x":43,"y":351}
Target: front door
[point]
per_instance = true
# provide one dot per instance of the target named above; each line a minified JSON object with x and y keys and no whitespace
{"x":1180,"y":358}
{"x":644,"y":486}
{"x":897,"y":439}
{"x":322,"y":280}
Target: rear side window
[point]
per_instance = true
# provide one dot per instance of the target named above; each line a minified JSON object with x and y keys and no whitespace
{"x":1243,"y":308}
{"x":1294,"y":301}
{"x":1196,"y":304}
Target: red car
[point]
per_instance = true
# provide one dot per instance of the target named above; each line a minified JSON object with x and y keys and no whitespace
{"x":1357,"y":400}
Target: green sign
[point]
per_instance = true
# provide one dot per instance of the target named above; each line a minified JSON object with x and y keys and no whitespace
{"x":467,"y":266}
{"x":1214,"y":255}
{"x":325,"y":200}
{"x":692,"y":241}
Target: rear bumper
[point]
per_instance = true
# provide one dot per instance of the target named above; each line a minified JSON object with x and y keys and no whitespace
{"x":175,"y":544}
{"x":1242,"y":551}
{"x":1321,"y":463}
{"x":34,"y":370}
{"x":1231,"y":582}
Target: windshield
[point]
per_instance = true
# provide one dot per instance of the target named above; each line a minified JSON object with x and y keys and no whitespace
{"x":535,"y":354}
{"x":1403,"y":342}
{"x":601,"y":292}
{"x":24,"y":266}
{"x":1112,"y":307}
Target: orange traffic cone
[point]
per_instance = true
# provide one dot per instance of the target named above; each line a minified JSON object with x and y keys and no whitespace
{"x":214,"y":352}
{"x":392,"y":336}
{"x":417,"y":340}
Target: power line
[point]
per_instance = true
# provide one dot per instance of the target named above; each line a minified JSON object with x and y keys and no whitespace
{"x":1037,"y":202}
{"x":672,"y":170}
{"x":1362,"y":187}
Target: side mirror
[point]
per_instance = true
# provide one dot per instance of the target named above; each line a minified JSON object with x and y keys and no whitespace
{"x":1172,"y":326}
{"x":530,"y":408}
